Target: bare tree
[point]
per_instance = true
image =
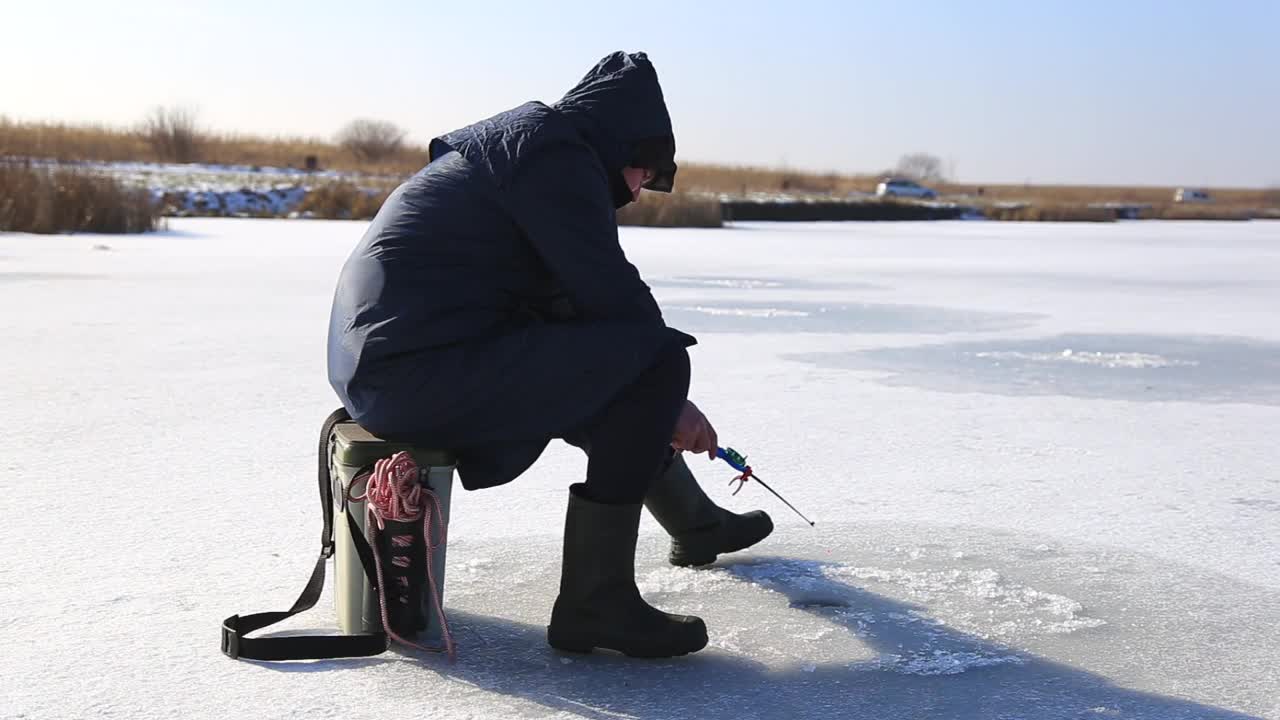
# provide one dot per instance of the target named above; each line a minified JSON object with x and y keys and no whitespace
{"x":921,"y":166}
{"x":172,"y":133}
{"x":371,"y":140}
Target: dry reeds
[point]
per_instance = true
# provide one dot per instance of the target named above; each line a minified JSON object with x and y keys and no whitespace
{"x":342,"y":201}
{"x":1090,"y":194}
{"x":674,"y":210}
{"x":172,"y":134}
{"x":1196,"y":212}
{"x":1050,"y":213}
{"x":95,"y":143}
{"x":81,"y":143}
{"x":45,"y":200}
{"x":743,"y":180}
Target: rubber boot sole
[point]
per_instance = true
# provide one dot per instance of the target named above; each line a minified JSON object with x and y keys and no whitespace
{"x":584,"y":642}
{"x":689,"y":560}
{"x":695,"y":551}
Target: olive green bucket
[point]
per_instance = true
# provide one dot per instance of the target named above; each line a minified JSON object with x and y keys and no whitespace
{"x":352,"y":449}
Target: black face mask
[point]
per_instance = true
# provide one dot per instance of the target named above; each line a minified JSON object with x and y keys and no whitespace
{"x":618,"y":187}
{"x":657,"y":154}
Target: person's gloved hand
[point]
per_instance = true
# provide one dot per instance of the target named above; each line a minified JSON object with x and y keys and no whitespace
{"x":694,"y":432}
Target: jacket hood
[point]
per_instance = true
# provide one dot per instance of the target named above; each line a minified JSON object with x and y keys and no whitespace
{"x":619,"y":110}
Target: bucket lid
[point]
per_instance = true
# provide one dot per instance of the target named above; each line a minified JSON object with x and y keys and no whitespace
{"x":355,"y":446}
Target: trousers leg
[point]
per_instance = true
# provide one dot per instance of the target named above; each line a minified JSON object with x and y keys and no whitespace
{"x":629,"y":442}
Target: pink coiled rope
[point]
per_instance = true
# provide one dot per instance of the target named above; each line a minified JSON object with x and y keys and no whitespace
{"x":393,"y":492}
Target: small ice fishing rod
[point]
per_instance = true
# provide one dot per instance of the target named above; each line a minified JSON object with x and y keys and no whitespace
{"x":738,"y":462}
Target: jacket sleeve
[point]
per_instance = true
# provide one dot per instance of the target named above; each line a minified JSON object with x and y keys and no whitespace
{"x":560,"y":199}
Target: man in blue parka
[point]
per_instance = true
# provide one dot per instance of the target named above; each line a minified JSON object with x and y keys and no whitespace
{"x":490,"y":309}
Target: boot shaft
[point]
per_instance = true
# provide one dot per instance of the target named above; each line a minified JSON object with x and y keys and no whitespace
{"x":677,"y":501}
{"x":599,"y":543}
{"x":599,"y":605}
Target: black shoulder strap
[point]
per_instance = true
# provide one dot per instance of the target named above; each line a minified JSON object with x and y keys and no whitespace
{"x":236,"y":645}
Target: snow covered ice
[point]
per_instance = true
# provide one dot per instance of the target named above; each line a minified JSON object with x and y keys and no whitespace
{"x":1042,"y":458}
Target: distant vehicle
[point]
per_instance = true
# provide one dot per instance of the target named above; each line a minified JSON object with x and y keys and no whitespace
{"x":905,"y":188}
{"x":1191,"y":195}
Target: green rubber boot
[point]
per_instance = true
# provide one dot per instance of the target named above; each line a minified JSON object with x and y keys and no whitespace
{"x":700,"y":530}
{"x":599,"y":605}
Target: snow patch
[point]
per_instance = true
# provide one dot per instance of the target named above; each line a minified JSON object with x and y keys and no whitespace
{"x":244,"y":201}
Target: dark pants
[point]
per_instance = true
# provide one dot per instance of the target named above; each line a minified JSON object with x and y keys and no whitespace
{"x":629,"y":441}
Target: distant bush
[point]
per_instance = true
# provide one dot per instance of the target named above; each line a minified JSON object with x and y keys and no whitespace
{"x":172,"y":134}
{"x":342,"y":201}
{"x":674,"y":210}
{"x":45,"y":200}
{"x":371,"y":141}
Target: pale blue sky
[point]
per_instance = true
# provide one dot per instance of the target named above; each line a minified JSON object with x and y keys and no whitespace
{"x":1125,"y":91}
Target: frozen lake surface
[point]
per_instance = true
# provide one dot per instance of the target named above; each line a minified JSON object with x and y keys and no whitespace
{"x":1043,"y":460}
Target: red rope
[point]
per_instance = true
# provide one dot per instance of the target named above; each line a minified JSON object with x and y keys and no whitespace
{"x":394,"y":493}
{"x":741,"y":479}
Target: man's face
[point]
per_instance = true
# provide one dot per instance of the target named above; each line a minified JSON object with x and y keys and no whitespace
{"x":636,"y":178}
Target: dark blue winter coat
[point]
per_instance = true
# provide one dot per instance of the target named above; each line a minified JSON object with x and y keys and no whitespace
{"x":489,"y":307}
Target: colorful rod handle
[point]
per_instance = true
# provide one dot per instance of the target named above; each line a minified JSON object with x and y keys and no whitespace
{"x":735,"y":459}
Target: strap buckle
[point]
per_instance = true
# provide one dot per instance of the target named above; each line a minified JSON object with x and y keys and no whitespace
{"x":231,"y":637}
